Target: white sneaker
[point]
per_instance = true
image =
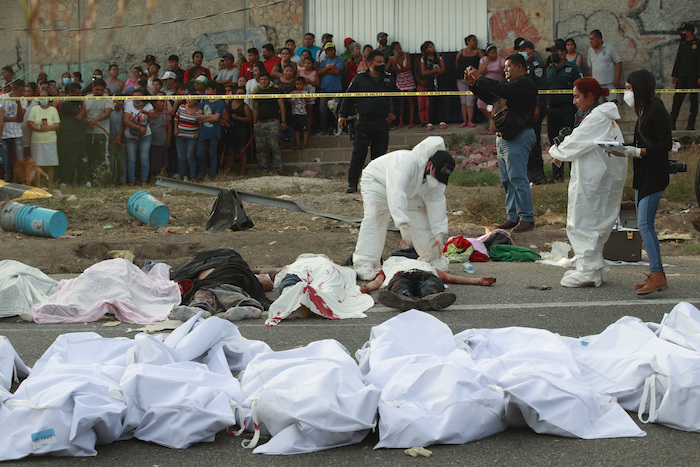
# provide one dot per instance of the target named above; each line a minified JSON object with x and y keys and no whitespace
{"x":185,"y":179}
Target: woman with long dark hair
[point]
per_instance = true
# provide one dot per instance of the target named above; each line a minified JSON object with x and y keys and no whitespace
{"x":432,"y":66}
{"x":652,"y":141}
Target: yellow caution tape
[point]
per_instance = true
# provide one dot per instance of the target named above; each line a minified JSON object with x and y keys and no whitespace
{"x":306,"y":95}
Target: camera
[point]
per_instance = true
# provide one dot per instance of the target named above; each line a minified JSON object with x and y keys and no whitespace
{"x":563,"y":133}
{"x":674,"y":166}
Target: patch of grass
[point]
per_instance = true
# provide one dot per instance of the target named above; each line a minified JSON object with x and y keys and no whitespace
{"x":692,"y":248}
{"x":469,"y":178}
{"x":482,"y":207}
{"x":460,"y":140}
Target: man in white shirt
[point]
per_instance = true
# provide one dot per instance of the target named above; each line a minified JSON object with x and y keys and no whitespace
{"x":229,"y":74}
{"x":12,"y":130}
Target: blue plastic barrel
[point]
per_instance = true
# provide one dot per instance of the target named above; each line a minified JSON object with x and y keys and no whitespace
{"x":144,"y":207}
{"x":32,"y":220}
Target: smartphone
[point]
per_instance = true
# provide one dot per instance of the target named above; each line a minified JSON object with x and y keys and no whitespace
{"x":44,"y":122}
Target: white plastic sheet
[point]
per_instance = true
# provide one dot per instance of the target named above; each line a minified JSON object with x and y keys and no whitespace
{"x":308,"y":399}
{"x":11,"y":368}
{"x":22,"y":286}
{"x":325,"y":288}
{"x":114,"y":286}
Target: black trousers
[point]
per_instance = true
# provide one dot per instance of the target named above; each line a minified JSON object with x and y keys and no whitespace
{"x":415,"y":283}
{"x":558,"y":117}
{"x":535,"y":165}
{"x":374,"y":133}
{"x":679,"y":97}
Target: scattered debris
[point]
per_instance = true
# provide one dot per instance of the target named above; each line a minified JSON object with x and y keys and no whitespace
{"x":418,"y":451}
{"x":125,"y":254}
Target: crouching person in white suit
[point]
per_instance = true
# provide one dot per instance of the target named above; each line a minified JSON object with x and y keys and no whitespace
{"x":597,"y":180}
{"x":408,"y":186}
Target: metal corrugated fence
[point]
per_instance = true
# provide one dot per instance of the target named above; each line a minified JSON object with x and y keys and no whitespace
{"x":411,"y":22}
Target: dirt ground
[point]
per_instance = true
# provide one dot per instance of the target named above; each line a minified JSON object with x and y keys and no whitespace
{"x":98,"y":223}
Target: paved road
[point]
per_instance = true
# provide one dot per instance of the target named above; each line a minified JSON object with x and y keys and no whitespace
{"x":514,"y":300}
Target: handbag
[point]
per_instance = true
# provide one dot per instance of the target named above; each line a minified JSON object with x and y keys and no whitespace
{"x":509,"y":124}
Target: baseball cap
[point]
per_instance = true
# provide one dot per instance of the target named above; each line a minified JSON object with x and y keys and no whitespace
{"x":687,"y":27}
{"x":558,"y":44}
{"x":229,"y":55}
{"x":347,"y":41}
{"x":129,"y":91}
{"x":149,"y":58}
{"x":201,"y":79}
{"x":444,"y":165}
{"x":382,"y":34}
{"x":524,"y":44}
{"x":169,"y":75}
{"x":329,"y":45}
{"x":327,"y":35}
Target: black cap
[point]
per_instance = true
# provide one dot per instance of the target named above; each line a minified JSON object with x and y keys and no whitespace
{"x":327,"y":35}
{"x":149,"y":58}
{"x":444,"y":165}
{"x":687,"y":27}
{"x":523,"y":44}
{"x":558,"y":44}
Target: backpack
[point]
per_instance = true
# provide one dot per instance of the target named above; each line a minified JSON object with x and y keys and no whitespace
{"x":509,"y":124}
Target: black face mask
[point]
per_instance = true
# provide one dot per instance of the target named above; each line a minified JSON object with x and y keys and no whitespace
{"x":382,"y":42}
{"x":556,"y":58}
{"x":380,"y":68}
{"x":683,"y":36}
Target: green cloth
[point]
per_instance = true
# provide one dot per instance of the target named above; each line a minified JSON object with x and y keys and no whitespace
{"x":512,"y":253}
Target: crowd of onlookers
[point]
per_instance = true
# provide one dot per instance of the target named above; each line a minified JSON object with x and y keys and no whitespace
{"x":194,"y":137}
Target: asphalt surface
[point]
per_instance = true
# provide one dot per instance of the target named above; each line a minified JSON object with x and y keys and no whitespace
{"x":517,"y":299}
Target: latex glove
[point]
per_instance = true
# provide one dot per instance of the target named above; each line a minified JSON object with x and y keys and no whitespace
{"x":405,"y":236}
{"x":631,"y":151}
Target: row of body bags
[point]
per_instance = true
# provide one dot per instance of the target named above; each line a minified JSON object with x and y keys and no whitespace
{"x":114,"y":286}
{"x":415,"y":381}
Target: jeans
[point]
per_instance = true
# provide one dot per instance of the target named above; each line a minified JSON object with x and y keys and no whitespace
{"x":213,"y":144}
{"x":14,"y":152}
{"x":141,"y":145}
{"x":186,"y":160}
{"x":646,"y":213}
{"x":96,"y":151}
{"x":415,"y":283}
{"x":512,"y":167}
{"x":117,"y":154}
{"x":288,"y":281}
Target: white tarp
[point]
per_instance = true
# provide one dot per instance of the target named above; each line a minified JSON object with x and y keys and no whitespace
{"x":308,"y":399}
{"x":325,"y":288}
{"x":114,"y":286}
{"x":22,"y":286}
{"x":11,"y":368}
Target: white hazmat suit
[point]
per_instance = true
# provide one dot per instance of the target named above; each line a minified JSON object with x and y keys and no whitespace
{"x":395,"y":186}
{"x":595,"y":192}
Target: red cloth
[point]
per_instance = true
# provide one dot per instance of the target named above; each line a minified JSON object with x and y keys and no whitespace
{"x":462,"y":244}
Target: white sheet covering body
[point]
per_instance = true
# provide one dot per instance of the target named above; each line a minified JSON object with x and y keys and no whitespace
{"x":308,"y":399}
{"x":595,"y":191}
{"x":395,"y":186}
{"x":432,"y":392}
{"x":325,"y":288}
{"x":11,"y":368}
{"x":22,"y":286}
{"x":543,"y":386}
{"x":114,"y":286}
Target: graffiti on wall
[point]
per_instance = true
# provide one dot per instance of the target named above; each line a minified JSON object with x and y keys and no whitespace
{"x":507,"y":25}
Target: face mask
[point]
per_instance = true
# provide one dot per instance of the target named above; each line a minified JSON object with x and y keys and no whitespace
{"x":66,"y":80}
{"x":97,"y":77}
{"x":380,"y":68}
{"x":137,"y":102}
{"x":682,"y":36}
{"x":44,"y":102}
{"x":431,"y":181}
{"x":629,"y":98}
{"x":524,"y":54}
{"x":382,"y":42}
{"x":556,"y":58}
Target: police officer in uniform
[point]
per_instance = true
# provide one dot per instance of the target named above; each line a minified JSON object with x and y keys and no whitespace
{"x":686,"y":74}
{"x":374,"y":115}
{"x":560,"y":107}
{"x":535,"y":68}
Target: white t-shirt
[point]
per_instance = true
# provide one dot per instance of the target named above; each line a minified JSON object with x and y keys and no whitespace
{"x":401,"y":264}
{"x":95,"y":109}
{"x":226,"y":74}
{"x":130,"y":109}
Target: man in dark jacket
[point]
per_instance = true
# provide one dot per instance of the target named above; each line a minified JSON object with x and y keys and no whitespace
{"x":686,"y":74}
{"x":374,"y":115}
{"x":520,"y":94}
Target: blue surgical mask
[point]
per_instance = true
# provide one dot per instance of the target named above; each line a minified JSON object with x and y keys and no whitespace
{"x":67,"y":80}
{"x":44,"y":102}
{"x":524,"y":54}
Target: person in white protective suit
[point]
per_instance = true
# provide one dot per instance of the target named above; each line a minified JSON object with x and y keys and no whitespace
{"x":597,"y":180}
{"x":407,"y":186}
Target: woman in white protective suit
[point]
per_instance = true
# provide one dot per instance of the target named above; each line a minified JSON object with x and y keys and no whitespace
{"x":408,"y":186}
{"x":597,"y":180}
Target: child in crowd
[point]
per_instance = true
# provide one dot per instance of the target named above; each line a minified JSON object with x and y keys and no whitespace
{"x":134,"y":78}
{"x":410,"y":283}
{"x":312,"y":82}
{"x":238,"y":132}
{"x":161,"y":131}
{"x":299,"y":120}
